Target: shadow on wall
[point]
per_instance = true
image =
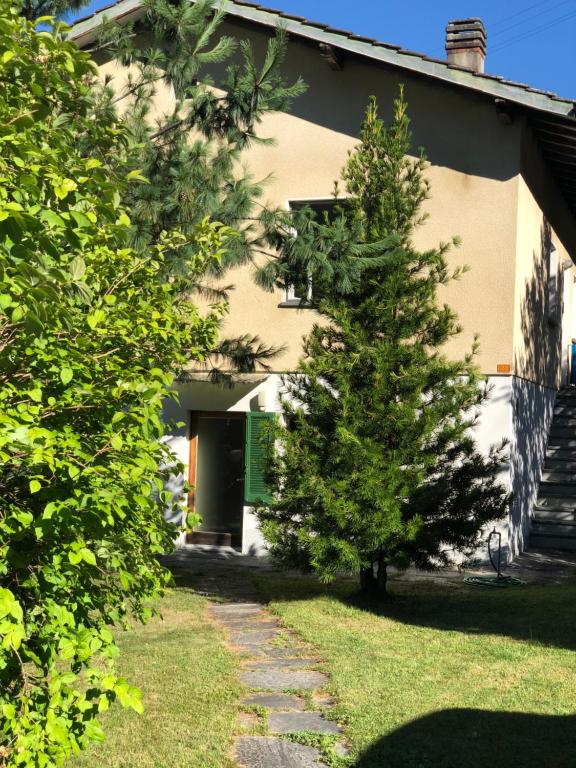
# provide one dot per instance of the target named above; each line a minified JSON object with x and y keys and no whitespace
{"x":173,"y":512}
{"x":446,"y":121}
{"x":469,"y":738}
{"x":533,"y":407}
{"x":538,"y":359}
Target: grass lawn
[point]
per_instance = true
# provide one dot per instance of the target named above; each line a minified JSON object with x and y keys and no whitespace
{"x":446,"y":677}
{"x":190,"y":693}
{"x":442,"y":677}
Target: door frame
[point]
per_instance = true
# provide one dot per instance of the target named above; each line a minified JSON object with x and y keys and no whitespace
{"x":194,"y":417}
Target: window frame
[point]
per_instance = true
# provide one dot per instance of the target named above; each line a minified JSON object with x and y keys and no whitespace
{"x":290,"y":298}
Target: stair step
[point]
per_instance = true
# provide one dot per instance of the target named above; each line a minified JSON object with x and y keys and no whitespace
{"x":564,"y":409}
{"x":562,"y":442}
{"x":556,"y":502}
{"x":557,"y":464}
{"x":551,"y":541}
{"x":550,"y":488}
{"x":548,"y":515}
{"x":559,"y":475}
{"x":556,"y":452}
{"x":565,"y":419}
{"x":560,"y":431}
{"x":553,"y":529}
{"x":554,"y":523}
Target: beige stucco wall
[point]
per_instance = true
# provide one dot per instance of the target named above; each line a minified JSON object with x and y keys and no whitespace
{"x":536,"y":339}
{"x":542,"y":335}
{"x":479,"y":192}
{"x":474,"y":165}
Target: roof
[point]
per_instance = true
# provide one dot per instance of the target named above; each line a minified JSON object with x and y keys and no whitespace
{"x":552,"y":117}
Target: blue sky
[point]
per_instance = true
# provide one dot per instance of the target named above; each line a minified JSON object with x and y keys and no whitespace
{"x":528,"y":41}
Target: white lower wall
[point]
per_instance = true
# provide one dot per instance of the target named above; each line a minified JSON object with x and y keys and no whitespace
{"x":520,"y":412}
{"x":516,"y":411}
{"x":259,"y":392}
{"x":532,"y":408}
{"x":252,"y":540}
{"x":495,"y":425}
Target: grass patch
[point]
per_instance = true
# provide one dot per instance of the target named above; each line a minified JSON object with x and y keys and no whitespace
{"x":190,"y":691}
{"x":445,"y":677}
{"x":326,"y":744}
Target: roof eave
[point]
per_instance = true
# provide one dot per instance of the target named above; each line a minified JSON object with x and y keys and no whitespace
{"x":84,"y":32}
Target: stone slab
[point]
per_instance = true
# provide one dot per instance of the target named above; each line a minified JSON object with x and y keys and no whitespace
{"x":274,"y":701}
{"x":281,"y":679}
{"x":268,"y":752}
{"x":292,"y":722}
{"x":256,"y":637}
{"x":288,"y":663}
{"x":247,"y":623}
{"x":236,"y":609}
{"x":283,"y":653}
{"x":244,"y":615}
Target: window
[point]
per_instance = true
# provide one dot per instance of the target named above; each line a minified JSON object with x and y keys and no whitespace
{"x":322,"y":209}
{"x":292,"y":300}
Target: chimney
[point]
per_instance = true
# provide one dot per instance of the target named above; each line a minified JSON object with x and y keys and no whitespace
{"x":466,"y":43}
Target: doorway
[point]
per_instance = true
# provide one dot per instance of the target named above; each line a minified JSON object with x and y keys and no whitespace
{"x":217,"y":474}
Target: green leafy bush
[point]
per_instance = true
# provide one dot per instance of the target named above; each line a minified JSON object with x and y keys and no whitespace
{"x":91,"y":334}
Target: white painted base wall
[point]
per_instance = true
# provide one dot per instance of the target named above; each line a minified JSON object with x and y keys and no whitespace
{"x":519,"y":412}
{"x":258,"y":394}
{"x":495,"y":426}
{"x":532,"y":409}
{"x":516,"y":411}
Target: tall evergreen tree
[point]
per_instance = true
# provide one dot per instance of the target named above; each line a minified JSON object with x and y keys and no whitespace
{"x":192,"y":154}
{"x":34,"y":9}
{"x":377,"y":464}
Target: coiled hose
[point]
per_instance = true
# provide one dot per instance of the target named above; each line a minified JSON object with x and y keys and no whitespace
{"x":497,"y":581}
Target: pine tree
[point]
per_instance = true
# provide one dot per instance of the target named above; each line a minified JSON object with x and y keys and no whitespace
{"x":34,"y":9}
{"x":192,"y":155}
{"x":376,"y":464}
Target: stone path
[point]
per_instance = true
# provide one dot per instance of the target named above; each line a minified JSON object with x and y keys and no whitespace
{"x":283,"y":672}
{"x":286,"y":686}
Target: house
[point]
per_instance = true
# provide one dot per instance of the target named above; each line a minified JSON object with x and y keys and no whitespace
{"x":501,"y":158}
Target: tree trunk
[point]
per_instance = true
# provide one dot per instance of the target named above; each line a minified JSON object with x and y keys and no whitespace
{"x":382,"y":576}
{"x":367,"y":580}
{"x":373,"y":584}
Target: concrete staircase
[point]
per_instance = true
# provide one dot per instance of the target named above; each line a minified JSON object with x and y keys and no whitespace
{"x":554,"y":519}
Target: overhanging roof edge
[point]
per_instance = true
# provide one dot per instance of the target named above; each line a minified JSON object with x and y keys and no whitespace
{"x":84,"y":32}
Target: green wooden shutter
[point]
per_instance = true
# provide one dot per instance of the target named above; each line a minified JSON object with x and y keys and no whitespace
{"x":255,"y":488}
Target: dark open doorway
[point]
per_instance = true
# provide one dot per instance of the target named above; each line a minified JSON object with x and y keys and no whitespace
{"x":217,"y":474}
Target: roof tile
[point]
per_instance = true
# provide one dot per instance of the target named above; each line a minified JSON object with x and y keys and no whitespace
{"x":350,"y":35}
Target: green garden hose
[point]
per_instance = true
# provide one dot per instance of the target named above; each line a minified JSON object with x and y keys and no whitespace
{"x":498,"y":580}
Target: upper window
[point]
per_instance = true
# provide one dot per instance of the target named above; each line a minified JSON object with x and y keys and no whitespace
{"x":322,"y":209}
